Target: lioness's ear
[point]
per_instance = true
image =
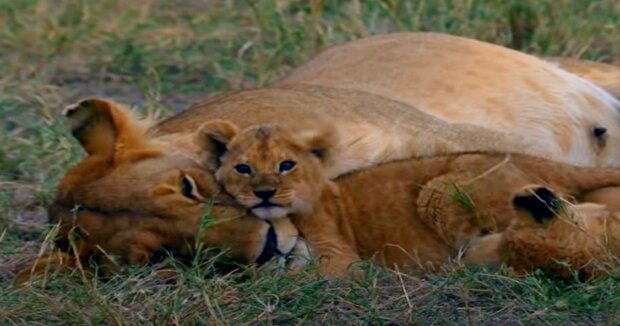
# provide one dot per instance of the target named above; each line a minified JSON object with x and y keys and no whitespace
{"x":319,"y":142}
{"x":102,"y":126}
{"x":213,"y":137}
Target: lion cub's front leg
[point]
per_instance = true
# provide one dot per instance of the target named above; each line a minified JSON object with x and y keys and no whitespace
{"x":332,"y":244}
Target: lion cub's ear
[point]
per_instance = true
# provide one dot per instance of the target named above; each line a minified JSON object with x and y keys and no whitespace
{"x":103,"y":127}
{"x":320,"y":142}
{"x":213,"y":137}
{"x":540,"y":202}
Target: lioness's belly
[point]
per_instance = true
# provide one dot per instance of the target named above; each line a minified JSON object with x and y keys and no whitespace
{"x":466,"y":81}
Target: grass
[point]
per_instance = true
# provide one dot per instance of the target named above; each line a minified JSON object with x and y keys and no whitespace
{"x":160,"y":56}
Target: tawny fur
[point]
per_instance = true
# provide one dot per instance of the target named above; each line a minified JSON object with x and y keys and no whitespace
{"x":466,"y":81}
{"x":133,"y":175}
{"x":421,"y":212}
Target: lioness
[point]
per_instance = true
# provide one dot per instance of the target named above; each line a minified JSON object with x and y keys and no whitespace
{"x":137,"y":171}
{"x":419,"y":211}
{"x":466,"y":81}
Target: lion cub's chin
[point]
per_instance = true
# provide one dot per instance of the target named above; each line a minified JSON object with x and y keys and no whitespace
{"x":270,"y":213}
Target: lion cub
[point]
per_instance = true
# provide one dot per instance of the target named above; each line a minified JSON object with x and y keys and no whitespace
{"x":270,"y":170}
{"x":419,"y":212}
{"x":276,"y":173}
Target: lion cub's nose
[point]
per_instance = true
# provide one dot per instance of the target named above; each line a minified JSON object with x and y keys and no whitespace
{"x":264,"y":194}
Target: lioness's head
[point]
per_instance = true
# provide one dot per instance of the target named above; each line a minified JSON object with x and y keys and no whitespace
{"x":135,"y":194}
{"x":270,"y":170}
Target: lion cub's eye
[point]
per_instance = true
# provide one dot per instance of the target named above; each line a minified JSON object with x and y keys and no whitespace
{"x":243,"y":169}
{"x":287,"y":166}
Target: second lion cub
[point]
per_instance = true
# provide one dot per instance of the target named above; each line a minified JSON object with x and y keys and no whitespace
{"x":418,"y":212}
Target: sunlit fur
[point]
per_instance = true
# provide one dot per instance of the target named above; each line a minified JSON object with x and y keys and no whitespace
{"x":465,"y":81}
{"x":422,"y":212}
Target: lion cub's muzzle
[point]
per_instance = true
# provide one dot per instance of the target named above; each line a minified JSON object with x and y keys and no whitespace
{"x":266,"y":208}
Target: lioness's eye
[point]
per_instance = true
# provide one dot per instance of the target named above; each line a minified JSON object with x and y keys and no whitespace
{"x":189,"y":188}
{"x":243,"y":169}
{"x":287,"y":166}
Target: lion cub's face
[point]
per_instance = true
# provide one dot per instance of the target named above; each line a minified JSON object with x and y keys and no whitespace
{"x":268,"y":169}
